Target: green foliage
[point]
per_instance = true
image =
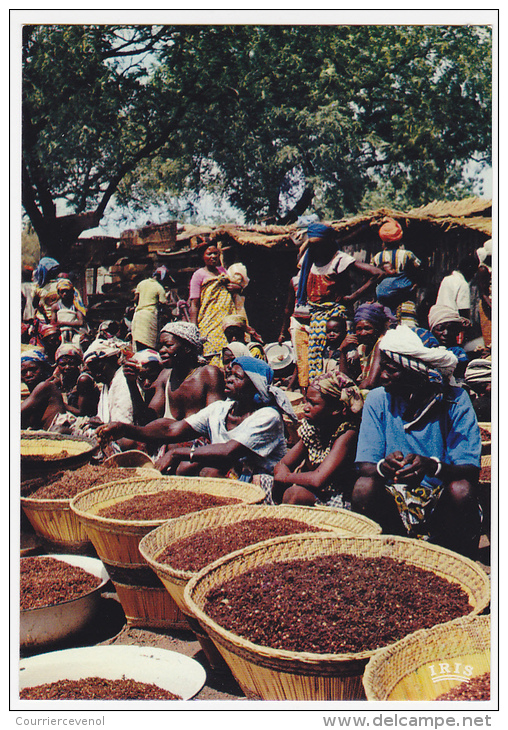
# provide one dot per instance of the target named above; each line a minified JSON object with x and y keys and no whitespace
{"x":267,"y":117}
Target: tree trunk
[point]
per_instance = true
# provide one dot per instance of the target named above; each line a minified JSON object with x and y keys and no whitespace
{"x":58,"y":235}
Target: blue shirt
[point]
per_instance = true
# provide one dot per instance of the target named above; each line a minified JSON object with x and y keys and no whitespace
{"x":454,"y":437}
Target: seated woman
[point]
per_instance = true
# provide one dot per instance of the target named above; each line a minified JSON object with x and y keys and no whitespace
{"x":326,"y":450}
{"x":371,"y":322}
{"x":45,"y":401}
{"x":245,"y":430}
{"x":78,"y":389}
{"x":67,"y":313}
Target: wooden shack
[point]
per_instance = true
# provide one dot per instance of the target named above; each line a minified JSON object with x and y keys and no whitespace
{"x":440,"y":234}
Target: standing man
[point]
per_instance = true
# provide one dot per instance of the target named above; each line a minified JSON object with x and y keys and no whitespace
{"x":454,"y":291}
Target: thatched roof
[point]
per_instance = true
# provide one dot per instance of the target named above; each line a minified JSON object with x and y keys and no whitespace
{"x":470,"y":213}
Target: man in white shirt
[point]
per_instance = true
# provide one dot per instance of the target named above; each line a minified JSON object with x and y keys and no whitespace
{"x":454,"y":290}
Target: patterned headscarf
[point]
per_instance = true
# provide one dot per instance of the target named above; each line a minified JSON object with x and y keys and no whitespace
{"x":34,"y":354}
{"x":390,"y":231}
{"x":69,"y":349}
{"x":185,"y":331}
{"x":337,"y":386}
{"x":143,"y":357}
{"x":101,"y":349}
{"x":261,"y":375}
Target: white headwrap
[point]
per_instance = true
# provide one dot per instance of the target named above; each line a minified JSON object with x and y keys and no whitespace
{"x":405,"y":342}
{"x":440,"y":313}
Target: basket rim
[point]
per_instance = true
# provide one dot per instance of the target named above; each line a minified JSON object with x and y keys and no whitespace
{"x":137,"y":523}
{"x":311,"y":658}
{"x":185,"y":575}
{"x":65,"y":501}
{"x":416,"y":638}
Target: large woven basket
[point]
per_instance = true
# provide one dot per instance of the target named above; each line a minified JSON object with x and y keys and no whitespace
{"x":152,"y":545}
{"x":273,"y":674}
{"x":54,"y":521}
{"x":39,"y":449}
{"x":429,"y":662}
{"x":486,"y":441}
{"x":143,"y":597}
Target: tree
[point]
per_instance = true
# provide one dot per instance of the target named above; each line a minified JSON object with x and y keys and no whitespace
{"x":88,"y":118}
{"x":274,"y":119}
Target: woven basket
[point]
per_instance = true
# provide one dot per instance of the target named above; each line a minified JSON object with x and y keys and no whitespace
{"x":152,"y":545}
{"x":143,"y":597}
{"x":39,"y":447}
{"x":273,"y":674}
{"x":429,"y":662}
{"x":59,"y":527}
{"x":486,"y":442}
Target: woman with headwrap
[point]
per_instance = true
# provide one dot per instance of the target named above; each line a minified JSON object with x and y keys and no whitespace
{"x":325,"y":284}
{"x":102,"y":360}
{"x":245,"y":430}
{"x":419,"y":448}
{"x":149,"y":296}
{"x":45,"y":294}
{"x":68,"y":313}
{"x":45,"y":402}
{"x":359,"y":352}
{"x":319,"y":468}
{"x":78,"y":389}
{"x":445,"y":328}
{"x":211,"y":298}
{"x":397,"y":290}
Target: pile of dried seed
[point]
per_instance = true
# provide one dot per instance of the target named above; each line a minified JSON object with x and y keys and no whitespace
{"x":162,"y":505}
{"x":70,"y":483}
{"x":96,"y":688}
{"x":46,"y":581}
{"x":50,"y":457}
{"x":478,"y":688}
{"x":334,"y":604}
{"x":485,"y":435}
{"x":195,"y":551}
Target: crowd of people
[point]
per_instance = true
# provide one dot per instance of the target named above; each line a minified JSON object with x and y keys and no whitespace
{"x":389,"y":423}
